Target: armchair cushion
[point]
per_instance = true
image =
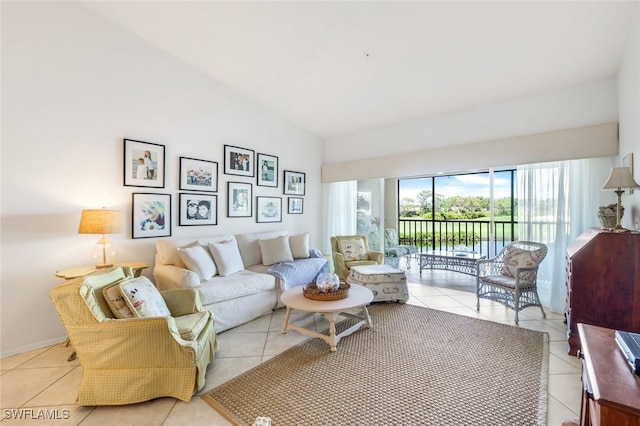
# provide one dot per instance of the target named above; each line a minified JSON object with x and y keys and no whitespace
{"x":143,"y":298}
{"x":275,"y":250}
{"x":352,"y":248}
{"x":116,"y":301}
{"x":198,"y":260}
{"x":518,"y":258}
{"x":190,"y":326}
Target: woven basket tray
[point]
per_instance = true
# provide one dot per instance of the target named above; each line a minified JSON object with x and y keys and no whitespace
{"x":311,"y":292}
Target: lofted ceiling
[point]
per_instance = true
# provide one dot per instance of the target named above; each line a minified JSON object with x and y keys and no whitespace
{"x":338,"y":67}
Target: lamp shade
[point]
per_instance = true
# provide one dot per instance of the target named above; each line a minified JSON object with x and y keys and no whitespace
{"x":620,"y":178}
{"x":100,"y":221}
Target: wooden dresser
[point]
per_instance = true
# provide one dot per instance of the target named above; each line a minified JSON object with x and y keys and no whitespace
{"x":603,"y":283}
{"x":611,"y":392}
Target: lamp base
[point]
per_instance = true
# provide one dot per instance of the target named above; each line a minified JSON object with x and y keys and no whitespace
{"x":619,"y":229}
{"x":104,"y":266}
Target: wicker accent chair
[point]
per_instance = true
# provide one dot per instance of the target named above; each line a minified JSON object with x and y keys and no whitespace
{"x":130,"y":360}
{"x":352,"y":250}
{"x":511,"y":277}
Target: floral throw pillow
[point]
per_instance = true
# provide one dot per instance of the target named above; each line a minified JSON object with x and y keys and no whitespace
{"x":143,"y":298}
{"x":352,"y":249}
{"x":519,"y":258}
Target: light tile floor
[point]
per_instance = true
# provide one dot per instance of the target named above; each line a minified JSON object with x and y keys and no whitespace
{"x":43,"y":379}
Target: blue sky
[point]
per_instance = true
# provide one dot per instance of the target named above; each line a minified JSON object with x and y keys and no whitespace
{"x":470,"y":184}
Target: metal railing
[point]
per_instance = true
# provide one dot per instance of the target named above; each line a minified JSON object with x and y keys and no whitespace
{"x":446,"y":234}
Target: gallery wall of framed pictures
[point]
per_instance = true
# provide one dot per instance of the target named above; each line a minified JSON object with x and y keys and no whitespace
{"x":145,"y":165}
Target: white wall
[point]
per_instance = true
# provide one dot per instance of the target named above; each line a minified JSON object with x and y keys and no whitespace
{"x":73,"y":86}
{"x":629,"y":110}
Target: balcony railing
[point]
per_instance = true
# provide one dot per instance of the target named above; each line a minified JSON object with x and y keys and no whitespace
{"x":446,"y":234}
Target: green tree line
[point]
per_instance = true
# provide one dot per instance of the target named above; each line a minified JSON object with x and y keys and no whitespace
{"x":451,"y":208}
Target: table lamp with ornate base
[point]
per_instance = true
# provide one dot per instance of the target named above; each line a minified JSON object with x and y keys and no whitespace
{"x":620,"y":180}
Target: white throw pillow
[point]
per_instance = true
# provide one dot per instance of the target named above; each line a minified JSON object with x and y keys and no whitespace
{"x":143,"y":298}
{"x":198,"y":260}
{"x":299,"y":246}
{"x":275,"y":250}
{"x":227,"y":257}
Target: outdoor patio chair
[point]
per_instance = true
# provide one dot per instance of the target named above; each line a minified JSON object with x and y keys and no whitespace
{"x":511,"y":277}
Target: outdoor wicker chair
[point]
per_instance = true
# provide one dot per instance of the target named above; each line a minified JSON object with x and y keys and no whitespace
{"x":511,"y":277}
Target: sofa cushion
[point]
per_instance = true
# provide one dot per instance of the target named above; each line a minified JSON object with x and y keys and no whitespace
{"x":143,"y":298}
{"x":243,"y":283}
{"x":116,"y":301}
{"x":275,"y":250}
{"x":190,"y":326}
{"x":227,"y":257}
{"x":198,"y":259}
{"x":352,"y":248}
{"x":249,"y":248}
{"x":299,"y":246}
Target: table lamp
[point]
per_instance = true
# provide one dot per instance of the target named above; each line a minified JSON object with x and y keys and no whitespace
{"x":620,"y":179}
{"x":103,"y":222}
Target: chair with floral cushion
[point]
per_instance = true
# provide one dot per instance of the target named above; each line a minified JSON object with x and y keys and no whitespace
{"x":511,"y":277}
{"x":352,"y":250}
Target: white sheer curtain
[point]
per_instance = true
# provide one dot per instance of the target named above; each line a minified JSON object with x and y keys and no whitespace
{"x":340,"y":211}
{"x":557,"y":202}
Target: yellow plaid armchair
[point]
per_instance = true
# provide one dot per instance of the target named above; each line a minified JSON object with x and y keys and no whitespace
{"x":131,"y":360}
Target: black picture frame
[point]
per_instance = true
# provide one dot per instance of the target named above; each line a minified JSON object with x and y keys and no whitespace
{"x":295,"y":205}
{"x":294,"y":183}
{"x":268,"y":209}
{"x":239,"y":199}
{"x":144,"y":164}
{"x":267,"y":170}
{"x":198,"y":175}
{"x":238,"y":161}
{"x":150,"y":215}
{"x":205,"y":211}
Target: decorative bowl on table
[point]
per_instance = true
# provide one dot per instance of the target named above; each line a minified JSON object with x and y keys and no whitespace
{"x":327,"y":287}
{"x":461,"y":250}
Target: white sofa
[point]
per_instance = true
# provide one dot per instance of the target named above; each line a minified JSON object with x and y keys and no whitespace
{"x":236,"y":297}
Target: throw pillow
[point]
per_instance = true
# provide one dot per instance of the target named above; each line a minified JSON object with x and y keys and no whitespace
{"x":143,"y":298}
{"x":517,"y":257}
{"x":116,"y":301}
{"x":198,"y":260}
{"x":299,"y":246}
{"x":227,"y":257}
{"x":352,"y":249}
{"x":275,"y":250}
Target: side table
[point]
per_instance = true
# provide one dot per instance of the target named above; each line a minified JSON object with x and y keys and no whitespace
{"x":69,"y":274}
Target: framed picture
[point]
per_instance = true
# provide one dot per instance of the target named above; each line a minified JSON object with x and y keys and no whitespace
{"x":295,"y":205}
{"x":198,"y":175}
{"x":239,"y":199}
{"x":627,"y":161}
{"x":238,"y":161}
{"x":198,"y":209}
{"x":151,"y":215}
{"x":143,"y":164}
{"x":267,"y":166}
{"x":268,"y":209}
{"x":294,"y":183}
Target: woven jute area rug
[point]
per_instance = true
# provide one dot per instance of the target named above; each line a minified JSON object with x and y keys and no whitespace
{"x":415,"y":366}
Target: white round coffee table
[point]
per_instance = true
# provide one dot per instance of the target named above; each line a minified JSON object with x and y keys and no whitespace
{"x":358,"y":298}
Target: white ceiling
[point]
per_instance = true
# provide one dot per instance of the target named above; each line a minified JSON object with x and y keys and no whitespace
{"x":338,"y":67}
